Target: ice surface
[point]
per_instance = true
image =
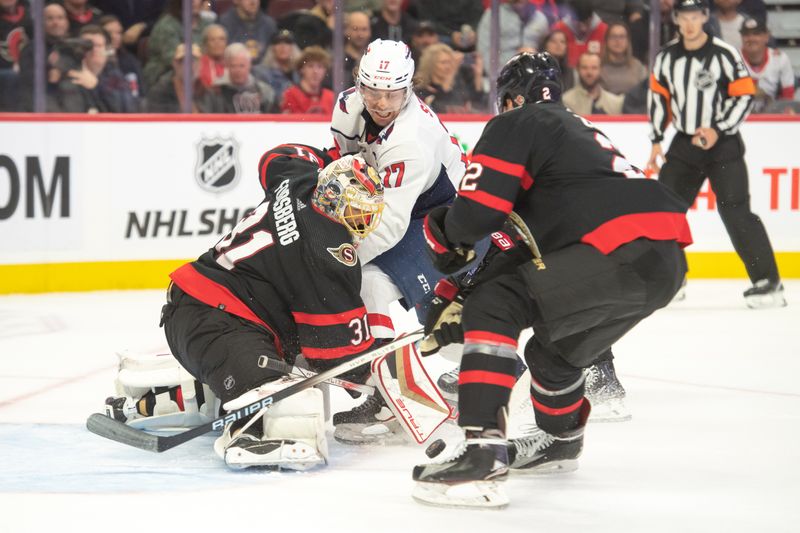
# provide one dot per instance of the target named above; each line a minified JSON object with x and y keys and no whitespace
{"x":713,"y":444}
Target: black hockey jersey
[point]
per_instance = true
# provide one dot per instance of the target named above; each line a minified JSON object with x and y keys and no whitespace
{"x":288,"y":267}
{"x":566,"y":180}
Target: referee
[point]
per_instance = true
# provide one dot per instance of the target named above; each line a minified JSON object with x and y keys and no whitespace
{"x":701,"y":84}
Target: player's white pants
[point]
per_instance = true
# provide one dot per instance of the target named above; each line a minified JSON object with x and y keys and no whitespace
{"x":377,"y":292}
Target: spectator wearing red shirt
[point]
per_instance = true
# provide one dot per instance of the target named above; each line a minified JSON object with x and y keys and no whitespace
{"x":584,"y":29}
{"x":308,"y":95}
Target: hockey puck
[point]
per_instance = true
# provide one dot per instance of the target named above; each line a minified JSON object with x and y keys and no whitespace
{"x":435,"y":448}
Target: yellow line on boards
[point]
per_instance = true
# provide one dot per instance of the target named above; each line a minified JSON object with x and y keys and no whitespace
{"x":111,"y":275}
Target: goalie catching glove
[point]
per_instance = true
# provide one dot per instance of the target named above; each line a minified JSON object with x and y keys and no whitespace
{"x":443,"y":323}
{"x":446,"y":256}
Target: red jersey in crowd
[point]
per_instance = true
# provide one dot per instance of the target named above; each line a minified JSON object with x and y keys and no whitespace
{"x":296,"y":101}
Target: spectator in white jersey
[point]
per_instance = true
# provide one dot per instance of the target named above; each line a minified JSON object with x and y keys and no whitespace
{"x":770,"y":68}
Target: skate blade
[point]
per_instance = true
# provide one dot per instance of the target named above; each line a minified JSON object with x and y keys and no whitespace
{"x":468,"y":495}
{"x":564,"y":466}
{"x":765,"y":301}
{"x":376,"y":434}
{"x":610,"y":410}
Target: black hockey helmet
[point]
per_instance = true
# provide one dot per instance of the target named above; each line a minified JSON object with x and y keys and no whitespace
{"x":535,"y":77}
{"x":690,"y":5}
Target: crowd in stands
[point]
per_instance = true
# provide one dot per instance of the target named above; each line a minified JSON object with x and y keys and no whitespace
{"x":274,"y":56}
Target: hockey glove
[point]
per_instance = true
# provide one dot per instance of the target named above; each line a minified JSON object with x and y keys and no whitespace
{"x":447,"y":257}
{"x":443,"y":323}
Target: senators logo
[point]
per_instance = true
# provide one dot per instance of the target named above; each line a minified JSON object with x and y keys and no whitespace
{"x":345,"y":254}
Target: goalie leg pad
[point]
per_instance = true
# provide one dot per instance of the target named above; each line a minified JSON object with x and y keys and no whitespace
{"x":156,"y":392}
{"x":410,"y":393}
{"x":291,"y":434}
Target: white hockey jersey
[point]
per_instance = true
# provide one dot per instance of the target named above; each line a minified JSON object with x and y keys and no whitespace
{"x":412,"y":154}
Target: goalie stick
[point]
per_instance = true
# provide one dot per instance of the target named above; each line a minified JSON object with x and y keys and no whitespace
{"x":526,"y":234}
{"x":286,"y":368}
{"x":112,"y":429}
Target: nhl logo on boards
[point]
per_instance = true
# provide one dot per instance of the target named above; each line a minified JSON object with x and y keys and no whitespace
{"x":345,"y":254}
{"x":217,"y":167}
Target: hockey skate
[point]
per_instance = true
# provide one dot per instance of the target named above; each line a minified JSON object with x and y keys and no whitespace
{"x":605,"y":393}
{"x":681,"y":294}
{"x":250,"y":449}
{"x":544,"y":453}
{"x":448,"y":385}
{"x":469,"y":478}
{"x":371,"y":422}
{"x":765,"y":294}
{"x":122,"y":408}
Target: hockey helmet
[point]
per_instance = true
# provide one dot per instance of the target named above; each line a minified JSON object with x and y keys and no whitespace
{"x":386,"y":66}
{"x":535,"y":77}
{"x":690,"y":5}
{"x":350,"y":192}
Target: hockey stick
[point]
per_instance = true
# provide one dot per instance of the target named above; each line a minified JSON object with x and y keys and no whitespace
{"x":286,"y":368}
{"x":112,"y":429}
{"x":526,"y":234}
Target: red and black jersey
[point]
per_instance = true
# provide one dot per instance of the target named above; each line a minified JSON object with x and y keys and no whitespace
{"x":566,"y":180}
{"x":15,"y":28}
{"x":287,"y":266}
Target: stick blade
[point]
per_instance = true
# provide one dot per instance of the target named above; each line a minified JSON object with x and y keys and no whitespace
{"x":115,"y":430}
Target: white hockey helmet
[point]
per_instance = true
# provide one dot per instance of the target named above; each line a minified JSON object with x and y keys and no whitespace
{"x":386,"y":66}
{"x":350,"y":192}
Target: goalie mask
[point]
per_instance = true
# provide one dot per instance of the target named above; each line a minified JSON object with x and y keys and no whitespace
{"x":350,"y":192}
{"x":385,"y":75}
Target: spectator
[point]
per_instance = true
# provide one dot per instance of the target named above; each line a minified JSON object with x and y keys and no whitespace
{"x":444,"y":86}
{"x":727,"y":14}
{"x":56,"y":27}
{"x":277,"y":68}
{"x":247,"y":24}
{"x":313,"y":27}
{"x":79,"y":14}
{"x":392,"y":23}
{"x":309,"y":96}
{"x":521,"y":25}
{"x":126,"y":62}
{"x":584,"y":30}
{"x":212,"y":62}
{"x":555,"y":43}
{"x":588,"y":97}
{"x":239,"y":91}
{"x":167,"y":95}
{"x":368,"y":6}
{"x":770,"y":68}
{"x":452,"y":19}
{"x":635,"y":100}
{"x":424,"y":36}
{"x":357,"y":37}
{"x":628,"y":11}
{"x":93,"y":88}
{"x":552,"y":9}
{"x":15,"y":23}
{"x":166,"y":35}
{"x":620,"y":71}
{"x":137,"y":17}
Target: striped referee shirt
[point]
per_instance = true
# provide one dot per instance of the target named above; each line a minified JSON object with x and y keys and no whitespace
{"x":705,"y":88}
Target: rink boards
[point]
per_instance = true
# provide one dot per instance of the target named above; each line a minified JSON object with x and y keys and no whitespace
{"x":96,"y":202}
